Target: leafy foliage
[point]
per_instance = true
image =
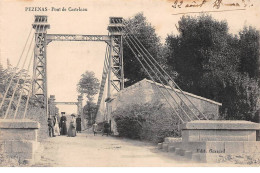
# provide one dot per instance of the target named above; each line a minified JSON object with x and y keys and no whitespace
{"x":35,"y":109}
{"x":152,"y":122}
{"x":145,"y":33}
{"x":249,"y":52}
{"x":22,"y":86}
{"x":89,"y":111}
{"x":215,"y":64}
{"x":88,"y":85}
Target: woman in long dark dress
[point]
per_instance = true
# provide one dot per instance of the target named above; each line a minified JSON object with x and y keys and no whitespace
{"x":72,"y":127}
{"x":78,"y":123}
{"x":63,"y":125}
{"x":106,"y":128}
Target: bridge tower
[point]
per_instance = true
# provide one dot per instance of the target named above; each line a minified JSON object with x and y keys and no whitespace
{"x":115,"y":71}
{"x":116,"y":78}
{"x":39,"y":88}
{"x":80,"y":105}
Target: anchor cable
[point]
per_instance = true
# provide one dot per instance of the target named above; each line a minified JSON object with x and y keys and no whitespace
{"x":125,"y":23}
{"x":4,"y":97}
{"x":155,"y":74}
{"x":19,"y":100}
{"x":18,"y":80}
{"x":131,"y":38}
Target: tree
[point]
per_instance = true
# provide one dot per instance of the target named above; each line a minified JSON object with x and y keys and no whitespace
{"x":88,"y":84}
{"x":90,"y":111}
{"x":145,"y":33}
{"x":191,"y":50}
{"x":249,"y":52}
{"x":207,"y":59}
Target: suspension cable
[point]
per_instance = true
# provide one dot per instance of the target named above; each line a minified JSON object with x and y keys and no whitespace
{"x":125,"y":23}
{"x":154,"y":81}
{"x":32,"y":79}
{"x":28,"y":97}
{"x":104,"y":76}
{"x":2,"y":102}
{"x":157,"y":77}
{"x":161,"y":82}
{"x":130,"y":38}
{"x":18,"y":80}
{"x":19,"y":100}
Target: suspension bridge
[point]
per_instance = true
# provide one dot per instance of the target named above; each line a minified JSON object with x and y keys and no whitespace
{"x":34,"y":57}
{"x":24,"y":92}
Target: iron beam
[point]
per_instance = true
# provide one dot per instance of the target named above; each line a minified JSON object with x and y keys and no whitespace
{"x":65,"y":103}
{"x":76,"y":37}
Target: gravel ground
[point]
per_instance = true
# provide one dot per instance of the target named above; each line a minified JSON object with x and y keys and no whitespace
{"x":86,"y":150}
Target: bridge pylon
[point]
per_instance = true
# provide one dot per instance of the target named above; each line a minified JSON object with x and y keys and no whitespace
{"x":115,"y":29}
{"x":39,"y":87}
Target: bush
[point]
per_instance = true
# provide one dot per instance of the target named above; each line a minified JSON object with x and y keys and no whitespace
{"x":152,"y":122}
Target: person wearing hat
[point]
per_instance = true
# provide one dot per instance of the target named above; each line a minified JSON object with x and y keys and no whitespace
{"x":72,"y":127}
{"x":56,"y":125}
{"x":95,"y":128}
{"x":106,"y":129}
{"x":50,"y":125}
{"x":63,"y":125}
{"x":78,"y":123}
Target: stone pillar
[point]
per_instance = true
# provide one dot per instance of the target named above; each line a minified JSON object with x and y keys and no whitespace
{"x":80,"y":111}
{"x":18,"y":139}
{"x":80,"y":107}
{"x":52,"y":105}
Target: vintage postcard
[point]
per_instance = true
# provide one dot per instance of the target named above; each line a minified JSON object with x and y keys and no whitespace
{"x":129,"y":83}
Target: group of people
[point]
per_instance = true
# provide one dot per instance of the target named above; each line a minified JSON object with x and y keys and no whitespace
{"x":60,"y":128}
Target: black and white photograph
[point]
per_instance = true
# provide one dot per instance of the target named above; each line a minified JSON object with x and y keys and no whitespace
{"x":129,"y":83}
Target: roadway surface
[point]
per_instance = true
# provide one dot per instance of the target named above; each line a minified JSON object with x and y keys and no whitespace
{"x":86,"y":150}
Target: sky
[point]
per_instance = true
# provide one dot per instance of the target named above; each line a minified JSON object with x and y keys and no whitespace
{"x":66,"y":61}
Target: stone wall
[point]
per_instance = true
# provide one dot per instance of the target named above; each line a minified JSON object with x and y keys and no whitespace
{"x":145,"y":91}
{"x":19,"y":139}
{"x":208,"y":141}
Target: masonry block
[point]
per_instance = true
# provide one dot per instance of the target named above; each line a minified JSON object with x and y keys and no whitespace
{"x":23,"y":146}
{"x":7,"y":146}
{"x":159,"y":146}
{"x":182,"y":152}
{"x":195,"y":157}
{"x":234,"y":147}
{"x":19,"y":124}
{"x":190,"y":135}
{"x":1,"y":147}
{"x":18,"y":138}
{"x":172,"y":139}
{"x":252,"y":136}
{"x":224,"y":135}
{"x":165,"y":146}
{"x":24,"y":134}
{"x":252,"y":147}
{"x":258,"y":135}
{"x":171,"y":149}
{"x":215,"y":147}
{"x":221,"y":125}
{"x":188,"y":155}
{"x":216,"y":130}
{"x":179,"y":151}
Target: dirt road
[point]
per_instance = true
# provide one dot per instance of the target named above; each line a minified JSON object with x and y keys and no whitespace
{"x":86,"y":150}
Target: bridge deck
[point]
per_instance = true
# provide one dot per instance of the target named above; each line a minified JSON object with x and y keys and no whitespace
{"x":88,"y":150}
